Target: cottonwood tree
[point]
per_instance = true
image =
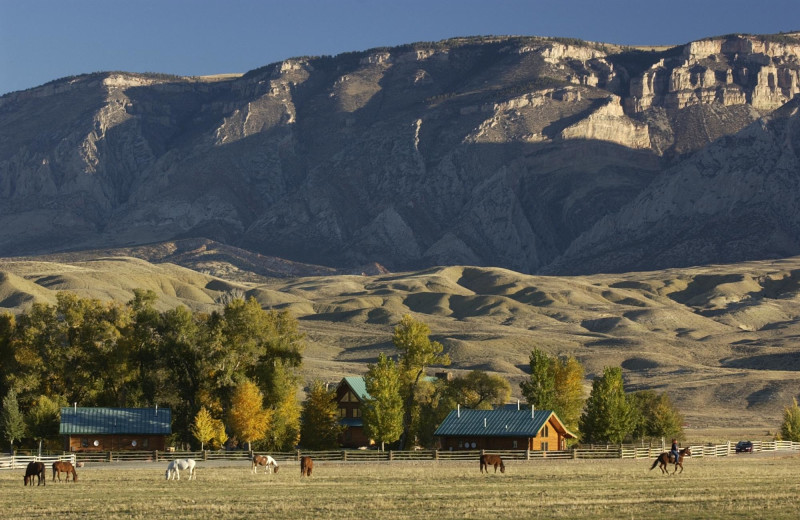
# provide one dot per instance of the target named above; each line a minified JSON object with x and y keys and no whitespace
{"x":790,"y":429}
{"x":540,"y":389}
{"x":655,"y":416}
{"x":43,"y":419}
{"x":569,"y":398}
{"x":555,"y":384}
{"x":11,"y":419}
{"x":479,"y":390}
{"x":383,"y":412}
{"x":207,"y":429}
{"x":609,"y":415}
{"x":319,"y":424}
{"x":417,"y":352}
{"x":247,"y":417}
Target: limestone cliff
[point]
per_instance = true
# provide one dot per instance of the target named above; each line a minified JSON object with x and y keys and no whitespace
{"x":506,"y":151}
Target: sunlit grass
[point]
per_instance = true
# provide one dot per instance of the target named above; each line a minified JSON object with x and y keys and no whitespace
{"x":735,"y":487}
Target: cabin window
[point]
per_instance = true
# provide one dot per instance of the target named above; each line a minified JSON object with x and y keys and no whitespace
{"x":545,"y":447}
{"x":514,"y":444}
{"x":349,"y":397}
{"x":145,"y":443}
{"x":356,"y":412}
{"x":342,"y":412}
{"x":546,"y":431}
{"x":85,"y":442}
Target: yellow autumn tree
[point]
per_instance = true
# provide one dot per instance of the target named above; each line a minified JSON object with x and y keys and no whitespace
{"x":206,"y":429}
{"x":247,"y":418}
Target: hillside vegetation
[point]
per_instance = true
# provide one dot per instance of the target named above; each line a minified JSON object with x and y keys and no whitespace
{"x":718,"y":339}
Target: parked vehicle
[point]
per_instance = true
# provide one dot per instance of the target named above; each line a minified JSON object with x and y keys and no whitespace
{"x":744,"y":447}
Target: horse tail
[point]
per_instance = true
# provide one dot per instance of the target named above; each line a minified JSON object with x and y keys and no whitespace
{"x":655,"y":463}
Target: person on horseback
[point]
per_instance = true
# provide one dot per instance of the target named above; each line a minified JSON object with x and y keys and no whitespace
{"x":674,"y":451}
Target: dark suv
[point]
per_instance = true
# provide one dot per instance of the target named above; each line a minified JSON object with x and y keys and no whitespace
{"x":744,"y":447}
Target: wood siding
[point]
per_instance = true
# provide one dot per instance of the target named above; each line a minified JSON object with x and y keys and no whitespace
{"x":114,"y":442}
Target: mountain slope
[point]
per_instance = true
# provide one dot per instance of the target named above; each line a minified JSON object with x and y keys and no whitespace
{"x":480,"y":151}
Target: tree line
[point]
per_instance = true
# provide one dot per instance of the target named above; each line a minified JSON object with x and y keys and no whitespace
{"x":233,"y":376}
{"x":96,"y":353}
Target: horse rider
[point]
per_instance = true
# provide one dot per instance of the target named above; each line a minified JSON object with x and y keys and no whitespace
{"x":674,"y":450}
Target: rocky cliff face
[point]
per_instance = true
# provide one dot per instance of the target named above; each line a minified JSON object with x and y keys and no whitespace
{"x":516,"y":152}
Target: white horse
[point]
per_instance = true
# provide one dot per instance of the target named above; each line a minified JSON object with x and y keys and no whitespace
{"x":176,"y":466}
{"x":271,"y":465}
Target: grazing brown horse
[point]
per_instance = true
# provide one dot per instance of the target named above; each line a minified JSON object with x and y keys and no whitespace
{"x":35,"y":469}
{"x":306,"y":465}
{"x":63,"y":466}
{"x":492,"y":460}
{"x":270,"y":464}
{"x":667,"y":458}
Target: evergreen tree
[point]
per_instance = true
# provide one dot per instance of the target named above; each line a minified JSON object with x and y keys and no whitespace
{"x":12,"y":421}
{"x":383,"y":412}
{"x":790,"y":429}
{"x":319,"y":423}
{"x":608,"y":416}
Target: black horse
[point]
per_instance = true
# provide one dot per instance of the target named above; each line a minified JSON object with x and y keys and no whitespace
{"x":35,"y":469}
{"x":668,"y":458}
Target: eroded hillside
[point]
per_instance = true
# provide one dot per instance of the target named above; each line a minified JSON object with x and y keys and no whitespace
{"x":719,"y":339}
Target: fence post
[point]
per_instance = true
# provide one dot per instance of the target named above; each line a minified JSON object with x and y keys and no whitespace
{"x":155,"y":455}
{"x":574,"y":453}
{"x":344,"y":456}
{"x":205,"y":454}
{"x":110,"y":456}
{"x":391,"y":455}
{"x":527,"y":454}
{"x":435,"y":454}
{"x":297,"y":455}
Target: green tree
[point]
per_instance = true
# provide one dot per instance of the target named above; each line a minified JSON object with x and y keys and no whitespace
{"x":247,"y":417}
{"x":11,"y":419}
{"x":417,"y":352}
{"x":790,"y":429}
{"x":555,"y":384}
{"x":540,"y":389}
{"x":43,"y":419}
{"x":479,"y":390}
{"x":655,"y":416}
{"x":569,"y":398}
{"x":608,"y":416}
{"x":383,"y":412}
{"x":319,"y":424}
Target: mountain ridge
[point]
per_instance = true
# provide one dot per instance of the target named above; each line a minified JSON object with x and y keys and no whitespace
{"x":481,"y":151}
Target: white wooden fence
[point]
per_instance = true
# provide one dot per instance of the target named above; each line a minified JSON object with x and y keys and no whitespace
{"x":22,"y":461}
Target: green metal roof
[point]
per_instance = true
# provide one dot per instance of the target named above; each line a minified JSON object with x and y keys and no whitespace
{"x":116,"y":421}
{"x":502,"y":422}
{"x":358,"y":386}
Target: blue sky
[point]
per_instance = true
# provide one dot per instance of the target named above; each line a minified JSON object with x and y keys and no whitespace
{"x":42,"y":40}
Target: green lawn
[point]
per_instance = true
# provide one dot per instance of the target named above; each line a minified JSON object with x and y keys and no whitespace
{"x":744,"y":486}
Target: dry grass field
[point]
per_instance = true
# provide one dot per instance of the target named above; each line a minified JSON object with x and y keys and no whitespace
{"x":742,"y":486}
{"x":721,"y":340}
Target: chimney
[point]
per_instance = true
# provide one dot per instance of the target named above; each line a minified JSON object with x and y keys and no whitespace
{"x":156,"y":410}
{"x":532,"y":410}
{"x":484,"y":422}
{"x":517,"y":404}
{"x":75,"y":406}
{"x":459,"y":410}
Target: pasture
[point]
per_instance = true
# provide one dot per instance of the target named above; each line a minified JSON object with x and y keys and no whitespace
{"x":743,"y":486}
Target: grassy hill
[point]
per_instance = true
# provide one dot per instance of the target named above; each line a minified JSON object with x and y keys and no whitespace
{"x":719,"y":339}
